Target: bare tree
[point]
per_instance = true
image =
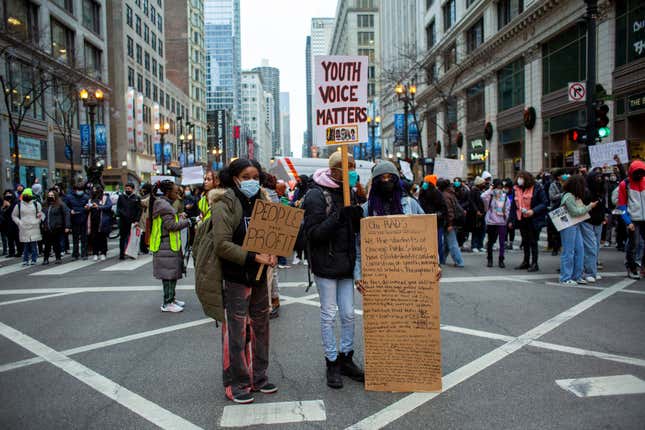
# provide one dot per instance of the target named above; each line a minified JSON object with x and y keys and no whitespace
{"x":64,"y":115}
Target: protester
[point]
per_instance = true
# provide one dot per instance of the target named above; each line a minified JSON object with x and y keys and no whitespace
{"x":331,"y":229}
{"x":10,"y":228}
{"x":128,"y":208}
{"x":560,"y":176}
{"x":99,"y":222}
{"x":497,"y":207}
{"x":432,"y":202}
{"x":77,"y":201}
{"x":28,"y":215}
{"x":631,"y":195}
{"x":528,"y":214}
{"x":211,"y":181}
{"x":57,"y":223}
{"x":572,"y":258}
{"x":462,"y":193}
{"x":146,"y":191}
{"x":591,"y":229}
{"x":507,"y":185}
{"x":245,"y":329}
{"x":454,"y":216}
{"x":475,"y":217}
{"x":165,"y":243}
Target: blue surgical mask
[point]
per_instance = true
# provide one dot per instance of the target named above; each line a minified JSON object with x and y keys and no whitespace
{"x":425,"y":186}
{"x":565,"y":177}
{"x":457,"y":184}
{"x":250,"y":187}
{"x":353,"y":178}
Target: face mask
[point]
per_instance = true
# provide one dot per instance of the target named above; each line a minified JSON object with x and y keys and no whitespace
{"x":187,"y":193}
{"x":638,"y":175}
{"x":249,"y":187}
{"x":612,"y":178}
{"x":520,"y":182}
{"x":565,"y":177}
{"x":425,"y":186}
{"x":50,"y":199}
{"x":457,"y":184}
{"x":128,"y":193}
{"x":26,"y":198}
{"x":8,"y":198}
{"x":385,"y":188}
{"x":79,"y":192}
{"x":353,"y":178}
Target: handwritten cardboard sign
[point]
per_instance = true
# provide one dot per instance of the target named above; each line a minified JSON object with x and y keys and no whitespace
{"x":401,"y":303}
{"x":273,"y":229}
{"x":340,"y":99}
{"x":447,"y":168}
{"x":562,"y":219}
{"x":604,"y":153}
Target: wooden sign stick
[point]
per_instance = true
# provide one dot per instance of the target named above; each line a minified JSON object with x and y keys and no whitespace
{"x":345,"y":165}
{"x":259,"y":275}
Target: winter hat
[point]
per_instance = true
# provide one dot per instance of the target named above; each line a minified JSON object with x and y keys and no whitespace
{"x":37,"y":189}
{"x":336,"y":159}
{"x":384,"y":167}
{"x":479,"y":181}
{"x":486,"y":175}
{"x":27,"y":192}
{"x":432,"y":179}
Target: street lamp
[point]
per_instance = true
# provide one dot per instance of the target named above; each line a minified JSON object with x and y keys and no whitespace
{"x":191,"y":138}
{"x":373,"y":124}
{"x":91,"y":98}
{"x":406,"y":93}
{"x":162,"y":130}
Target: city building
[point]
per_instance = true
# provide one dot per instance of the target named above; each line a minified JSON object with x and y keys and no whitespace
{"x":42,"y":72}
{"x":271,"y":81}
{"x":307,"y":140}
{"x":186,"y":66}
{"x":285,"y":125}
{"x":496,"y":77}
{"x":255,"y":117}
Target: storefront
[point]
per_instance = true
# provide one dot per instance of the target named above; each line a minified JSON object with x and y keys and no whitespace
{"x":511,"y":151}
{"x":476,"y":159}
{"x":559,"y":150}
{"x":33,"y":160}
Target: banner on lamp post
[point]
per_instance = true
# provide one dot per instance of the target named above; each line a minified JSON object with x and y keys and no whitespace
{"x":84,"y":131}
{"x":100,"y":134}
{"x":130,"y":118}
{"x":139,"y":122}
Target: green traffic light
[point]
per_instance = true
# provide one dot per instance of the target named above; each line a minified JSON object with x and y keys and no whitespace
{"x":603,"y":132}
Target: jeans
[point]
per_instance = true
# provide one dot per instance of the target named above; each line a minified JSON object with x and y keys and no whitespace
{"x":336,"y":295}
{"x":591,"y":240}
{"x":442,"y":254}
{"x":632,"y":257}
{"x":453,"y":247}
{"x":495,"y":232}
{"x":30,"y":249}
{"x":79,"y":234}
{"x":572,"y":256}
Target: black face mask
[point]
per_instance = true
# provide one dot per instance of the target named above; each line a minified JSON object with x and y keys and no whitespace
{"x":8,"y":198}
{"x":385,"y":189}
{"x":26,"y":199}
{"x":638,"y":175}
{"x":51,"y":199}
{"x":128,"y":193}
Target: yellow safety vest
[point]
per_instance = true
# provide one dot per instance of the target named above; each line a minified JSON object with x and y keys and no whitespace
{"x":204,"y":208}
{"x":155,"y":236}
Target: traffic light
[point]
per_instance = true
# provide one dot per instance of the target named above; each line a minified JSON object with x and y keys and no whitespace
{"x":602,"y":120}
{"x":577,"y":135}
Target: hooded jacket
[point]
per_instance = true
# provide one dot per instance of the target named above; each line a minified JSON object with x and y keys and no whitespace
{"x":28,"y":216}
{"x":595,"y":191}
{"x":56,"y":217}
{"x":128,"y":207}
{"x":497,"y":206}
{"x":632,"y":201}
{"x":166,"y":263}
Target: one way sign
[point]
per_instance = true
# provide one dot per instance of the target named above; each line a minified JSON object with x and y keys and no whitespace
{"x":577,"y":91}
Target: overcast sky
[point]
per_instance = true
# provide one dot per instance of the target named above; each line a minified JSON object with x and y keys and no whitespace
{"x":276,"y":30}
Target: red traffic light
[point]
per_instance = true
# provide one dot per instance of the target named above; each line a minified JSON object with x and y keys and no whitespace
{"x":577,"y":135}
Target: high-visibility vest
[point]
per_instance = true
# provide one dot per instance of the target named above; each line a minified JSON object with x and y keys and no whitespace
{"x":155,"y":236}
{"x":204,"y":208}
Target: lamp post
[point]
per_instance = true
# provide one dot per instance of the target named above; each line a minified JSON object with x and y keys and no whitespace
{"x":162,"y":130}
{"x":191,"y":139}
{"x":91,"y":98}
{"x":406,"y":93}
{"x":373,"y":124}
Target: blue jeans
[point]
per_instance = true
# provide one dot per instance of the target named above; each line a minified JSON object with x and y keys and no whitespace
{"x":30,"y":249}
{"x":572,"y":256}
{"x":591,"y":241}
{"x":452,"y":245}
{"x":336,"y":295}
{"x":442,"y":254}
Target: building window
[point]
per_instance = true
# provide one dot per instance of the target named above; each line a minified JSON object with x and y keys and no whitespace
{"x":139,"y":83}
{"x":450,"y":57}
{"x":630,"y":27}
{"x":146,"y":61}
{"x":431,"y":73}
{"x":365,"y":4}
{"x":168,"y":103}
{"x":92,"y":15}
{"x":139,"y":54}
{"x":431,"y":34}
{"x":148,"y":92}
{"x":159,"y":23}
{"x":507,"y":10}
{"x":154,"y":67}
{"x":130,"y":44}
{"x":153,"y":15}
{"x":146,"y":33}
{"x":475,"y":102}
{"x":160,"y":48}
{"x":429,"y":4}
{"x":161,"y":73}
{"x":137,"y":24}
{"x":62,"y":42}
{"x":68,"y":5}
{"x":449,"y":15}
{"x":24,"y":79}
{"x":155,"y":94}
{"x":564,"y":59}
{"x":153,"y":41}
{"x":161,"y":97}
{"x":128,"y":15}
{"x":475,"y":35}
{"x":145,"y":7}
{"x":510,"y":85}
{"x":22,"y":19}
{"x":369,"y":53}
{"x":365,"y":21}
{"x":92,"y":60}
{"x":365,"y":37}
{"x":371,"y":90}
{"x":131,"y":77}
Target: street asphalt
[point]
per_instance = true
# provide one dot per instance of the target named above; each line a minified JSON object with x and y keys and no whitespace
{"x":90,"y":349}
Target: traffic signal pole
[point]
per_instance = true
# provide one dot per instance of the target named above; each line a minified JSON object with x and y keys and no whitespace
{"x":590,"y":18}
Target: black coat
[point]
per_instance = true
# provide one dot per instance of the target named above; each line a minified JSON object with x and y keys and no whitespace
{"x":595,"y":191}
{"x":57,"y":217}
{"x":432,"y":202}
{"x":331,"y":239}
{"x":77,"y":204}
{"x":539,"y":205}
{"x":128,"y":208}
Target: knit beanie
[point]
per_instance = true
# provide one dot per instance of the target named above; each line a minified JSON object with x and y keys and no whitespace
{"x":384,"y":167}
{"x":336,"y":159}
{"x":432,"y":179}
{"x":478,"y":181}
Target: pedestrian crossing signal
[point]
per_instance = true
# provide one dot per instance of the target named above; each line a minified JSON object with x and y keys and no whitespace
{"x":577,"y":135}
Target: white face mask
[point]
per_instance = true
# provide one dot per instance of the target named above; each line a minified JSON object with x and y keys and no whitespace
{"x":520,"y":182}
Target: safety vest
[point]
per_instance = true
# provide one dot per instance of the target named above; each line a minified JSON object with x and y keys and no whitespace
{"x":155,"y":236}
{"x":204,"y":208}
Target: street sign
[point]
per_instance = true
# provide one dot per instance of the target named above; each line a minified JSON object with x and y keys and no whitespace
{"x":577,"y":92}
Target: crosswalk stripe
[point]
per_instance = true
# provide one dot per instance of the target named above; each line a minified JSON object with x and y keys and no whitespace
{"x":12,"y":268}
{"x":65,"y":268}
{"x":129,"y":265}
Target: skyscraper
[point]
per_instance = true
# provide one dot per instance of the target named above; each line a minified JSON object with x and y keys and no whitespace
{"x":285,"y":124}
{"x":271,"y":80}
{"x":306,"y":145}
{"x":256,"y":119}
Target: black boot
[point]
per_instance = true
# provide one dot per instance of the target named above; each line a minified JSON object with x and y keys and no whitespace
{"x":501,"y":262}
{"x":334,"y":380}
{"x":523,"y":266}
{"x":349,"y":368}
{"x":490,"y":262}
{"x":534,"y":268}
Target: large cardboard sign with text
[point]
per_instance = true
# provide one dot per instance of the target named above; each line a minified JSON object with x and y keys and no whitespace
{"x":401,"y":303}
{"x":273,"y":229}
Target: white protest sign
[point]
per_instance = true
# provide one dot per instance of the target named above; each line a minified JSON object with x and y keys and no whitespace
{"x":603,"y":153}
{"x":192,"y":175}
{"x":448,"y":168}
{"x":159,"y":178}
{"x":340,"y":100}
{"x":406,"y":170}
{"x":561,"y":218}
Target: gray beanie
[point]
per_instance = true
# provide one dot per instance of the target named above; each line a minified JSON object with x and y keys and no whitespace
{"x":37,"y":189}
{"x":384,"y":167}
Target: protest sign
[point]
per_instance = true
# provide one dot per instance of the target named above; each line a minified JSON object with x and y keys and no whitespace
{"x":603,"y":153}
{"x":561,"y":218}
{"x":406,"y":170}
{"x":448,"y":168}
{"x":192,"y":175}
{"x":401,"y":304}
{"x":273,"y":228}
{"x":159,"y":178}
{"x":132,"y":248}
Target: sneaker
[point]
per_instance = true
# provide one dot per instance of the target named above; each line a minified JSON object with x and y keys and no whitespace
{"x":305,"y":262}
{"x":179,"y":303}
{"x":590,"y":279}
{"x":581,"y":281}
{"x":26,"y":263}
{"x":171,"y":307}
{"x":283,"y":266}
{"x":243,"y":399}
{"x":268,"y":388}
{"x":33,"y":263}
{"x":58,"y":261}
{"x":95,"y":258}
{"x":475,"y":251}
{"x":295,"y":261}
{"x":45,"y":262}
{"x":569,"y":283}
{"x":103,"y":257}
{"x":633,"y":274}
{"x":482,"y":250}
{"x":598,"y":276}
{"x":275,"y":313}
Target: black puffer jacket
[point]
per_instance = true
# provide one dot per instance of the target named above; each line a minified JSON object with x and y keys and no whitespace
{"x":432,"y":202}
{"x":596,"y":191}
{"x":331,"y":238}
{"x":128,"y":208}
{"x":57,"y":217}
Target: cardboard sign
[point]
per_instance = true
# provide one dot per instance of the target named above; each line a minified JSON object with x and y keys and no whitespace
{"x":406,"y":170}
{"x":192,"y":175}
{"x":401,"y":304}
{"x":273,"y":229}
{"x":603,"y":153}
{"x":340,"y":100}
{"x":447,"y":168}
{"x":561,"y":218}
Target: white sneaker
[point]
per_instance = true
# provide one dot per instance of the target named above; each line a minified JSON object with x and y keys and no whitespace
{"x":295,"y":261}
{"x":179,"y":303}
{"x":581,"y":281}
{"x":569,"y":283}
{"x":95,"y":258}
{"x":598,"y":276}
{"x":283,"y":266}
{"x":103,"y":257}
{"x":482,"y":250}
{"x":305,"y":262}
{"x":590,"y":279}
{"x":475,"y":251}
{"x":171,"y":307}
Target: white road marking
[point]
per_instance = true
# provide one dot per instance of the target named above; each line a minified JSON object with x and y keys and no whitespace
{"x":588,"y":353}
{"x":413,"y":401}
{"x":511,"y":278}
{"x":129,"y":264}
{"x":273,"y":413}
{"x":31,"y":299}
{"x":137,"y":404}
{"x":65,"y":268}
{"x":12,"y":268}
{"x":191,"y":264}
{"x":603,"y":386}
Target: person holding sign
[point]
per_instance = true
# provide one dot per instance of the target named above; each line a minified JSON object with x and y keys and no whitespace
{"x":572,"y":257}
{"x":330,"y":229}
{"x":245,"y":329}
